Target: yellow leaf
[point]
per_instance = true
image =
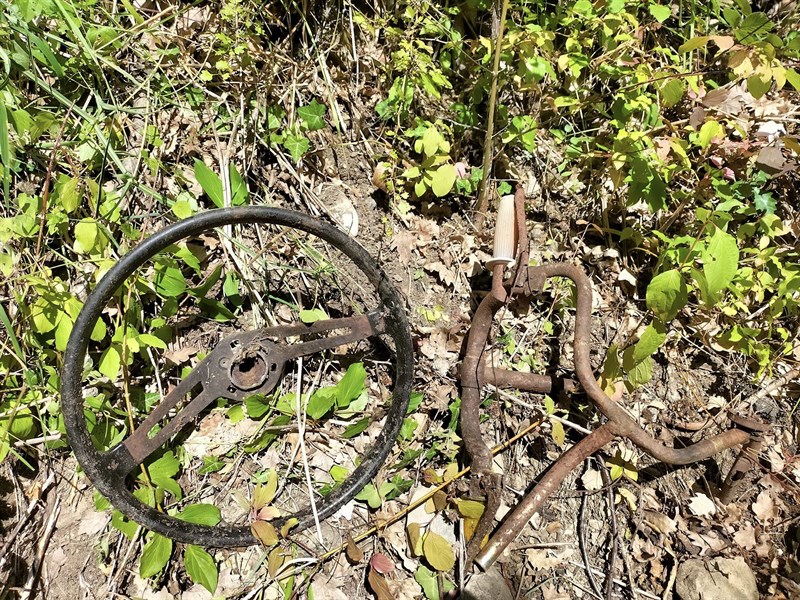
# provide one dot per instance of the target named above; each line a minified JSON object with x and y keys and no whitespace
{"x":414,"y":539}
{"x":557,"y":433}
{"x":469,"y":509}
{"x":438,"y":552}
{"x":275,"y":561}
{"x":264,"y":532}
{"x":264,"y":494}
{"x":287,"y":526}
{"x":450,"y":472}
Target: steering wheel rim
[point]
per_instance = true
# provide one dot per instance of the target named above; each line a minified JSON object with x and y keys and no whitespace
{"x":102,"y":468}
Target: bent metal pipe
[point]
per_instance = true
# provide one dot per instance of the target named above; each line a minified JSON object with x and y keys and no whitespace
{"x":475,"y":373}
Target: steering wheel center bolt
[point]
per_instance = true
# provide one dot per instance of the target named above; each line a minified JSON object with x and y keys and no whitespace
{"x":250,"y":371}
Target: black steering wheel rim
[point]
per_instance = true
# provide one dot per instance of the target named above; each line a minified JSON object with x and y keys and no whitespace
{"x":97,"y":464}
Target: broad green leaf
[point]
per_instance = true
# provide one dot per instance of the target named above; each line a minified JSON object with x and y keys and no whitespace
{"x":660,"y":13}
{"x":169,"y":280}
{"x":758,"y":85}
{"x":651,"y":340}
{"x":182,"y":209}
{"x":201,"y":514}
{"x":121,"y":523}
{"x":622,"y":467}
{"x":754,"y":27}
{"x":694,"y":43}
{"x":67,"y":192}
{"x":312,"y":315}
{"x":793,"y":77}
{"x":148,"y":339}
{"x":239,"y":190}
{"x":672,"y":91}
{"x":356,"y":428}
{"x":667,"y":294}
{"x":640,"y":372}
{"x":351,"y":385}
{"x":710,"y":130}
{"x":720,"y":262}
{"x":87,"y":236}
{"x":429,"y":581}
{"x":110,"y":362}
{"x":321,"y":402}
{"x":155,"y":556}
{"x":312,"y":115}
{"x":210,"y":182}
{"x":297,"y":146}
{"x":444,"y":178}
{"x":165,"y":466}
{"x":370,"y":495}
{"x":200,"y":567}
{"x":256,"y":406}
{"x":438,"y":552}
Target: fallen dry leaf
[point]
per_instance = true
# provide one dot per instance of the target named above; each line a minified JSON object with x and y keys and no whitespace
{"x":354,"y":553}
{"x":764,"y":507}
{"x":702,"y":506}
{"x":379,"y":585}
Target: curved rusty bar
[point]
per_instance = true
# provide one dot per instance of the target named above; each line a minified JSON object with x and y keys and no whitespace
{"x":475,"y":373}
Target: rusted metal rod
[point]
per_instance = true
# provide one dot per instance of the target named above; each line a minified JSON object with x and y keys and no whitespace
{"x":475,"y":373}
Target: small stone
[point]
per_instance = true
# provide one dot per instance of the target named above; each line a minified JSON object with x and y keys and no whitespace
{"x":717,"y":579}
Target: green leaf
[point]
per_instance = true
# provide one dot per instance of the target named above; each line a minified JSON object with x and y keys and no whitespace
{"x":169,"y":280}
{"x":200,"y":567}
{"x":720,"y":262}
{"x":67,"y":192}
{"x":356,"y":428}
{"x":239,"y":191}
{"x":429,"y":581}
{"x":87,"y":233}
{"x":793,"y":77}
{"x":438,"y":552}
{"x":297,"y":145}
{"x":155,"y":556}
{"x":351,"y":385}
{"x":667,"y":294}
{"x":165,"y":466}
{"x":443,"y":180}
{"x":660,"y":13}
{"x":321,"y":402}
{"x":256,"y":406}
{"x":201,"y":514}
{"x":694,"y":43}
{"x":651,"y":340}
{"x":210,"y":182}
{"x":672,"y":91}
{"x":121,"y":523}
{"x":639,"y":372}
{"x":110,"y":362}
{"x":764,"y":202}
{"x":148,"y":339}
{"x":313,"y":315}
{"x":312,"y":115}
{"x":708,"y":132}
{"x":754,"y":27}
{"x":758,"y":86}
{"x":370,"y":495}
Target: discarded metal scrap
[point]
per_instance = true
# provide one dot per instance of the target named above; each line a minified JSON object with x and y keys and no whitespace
{"x":240,"y":365}
{"x":511,"y":248}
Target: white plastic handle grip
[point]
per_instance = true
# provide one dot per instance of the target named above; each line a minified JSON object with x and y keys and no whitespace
{"x":505,"y":234}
